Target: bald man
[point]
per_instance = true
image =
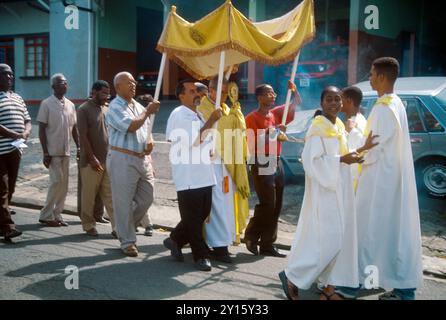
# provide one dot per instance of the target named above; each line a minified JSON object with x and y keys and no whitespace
{"x":128,"y":159}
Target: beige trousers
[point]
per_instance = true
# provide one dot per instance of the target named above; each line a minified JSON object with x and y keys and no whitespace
{"x":57,"y":190}
{"x":132,"y":182}
{"x":94,"y":182}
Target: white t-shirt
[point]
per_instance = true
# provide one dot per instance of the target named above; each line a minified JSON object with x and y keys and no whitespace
{"x":191,"y":162}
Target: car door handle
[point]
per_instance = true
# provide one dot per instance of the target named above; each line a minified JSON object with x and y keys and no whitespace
{"x":416,"y":140}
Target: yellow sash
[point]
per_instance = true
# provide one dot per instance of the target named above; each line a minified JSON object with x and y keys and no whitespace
{"x":322,"y":127}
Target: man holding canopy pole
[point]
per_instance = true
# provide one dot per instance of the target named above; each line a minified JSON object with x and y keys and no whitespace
{"x":128,"y":160}
{"x":267,"y":171}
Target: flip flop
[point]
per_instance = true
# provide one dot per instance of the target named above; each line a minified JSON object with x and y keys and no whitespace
{"x":283,"y":278}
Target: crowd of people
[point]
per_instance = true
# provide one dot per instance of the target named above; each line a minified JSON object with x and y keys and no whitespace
{"x":360,"y":205}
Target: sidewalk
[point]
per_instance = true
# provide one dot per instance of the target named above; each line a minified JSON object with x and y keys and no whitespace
{"x":32,"y":184}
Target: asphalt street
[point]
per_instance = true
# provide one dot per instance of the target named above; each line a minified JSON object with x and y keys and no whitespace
{"x":35,"y":266}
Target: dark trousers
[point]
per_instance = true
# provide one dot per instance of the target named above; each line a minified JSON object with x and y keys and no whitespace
{"x":9,"y":169}
{"x":195,"y":207}
{"x":262,"y":227}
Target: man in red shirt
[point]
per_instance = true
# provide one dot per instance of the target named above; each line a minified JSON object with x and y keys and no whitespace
{"x":262,"y":132}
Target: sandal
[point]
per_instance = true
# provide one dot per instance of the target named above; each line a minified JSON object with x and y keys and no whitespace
{"x":291,"y":291}
{"x":329,"y":293}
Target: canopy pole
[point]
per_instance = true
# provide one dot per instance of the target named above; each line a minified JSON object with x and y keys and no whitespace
{"x":157,"y":91}
{"x":288,"y":96}
{"x":221,"y":74}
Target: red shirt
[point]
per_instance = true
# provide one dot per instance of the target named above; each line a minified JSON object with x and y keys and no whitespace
{"x":256,"y":121}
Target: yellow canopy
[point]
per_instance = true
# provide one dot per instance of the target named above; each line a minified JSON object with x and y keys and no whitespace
{"x":196,"y":46}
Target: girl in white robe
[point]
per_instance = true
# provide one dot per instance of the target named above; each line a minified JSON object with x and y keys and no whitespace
{"x":325,"y":245}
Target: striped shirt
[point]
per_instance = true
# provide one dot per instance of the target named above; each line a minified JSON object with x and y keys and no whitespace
{"x":118,"y":118}
{"x":13,"y":115}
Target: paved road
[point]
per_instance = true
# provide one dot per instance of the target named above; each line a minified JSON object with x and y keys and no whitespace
{"x":34,"y":268}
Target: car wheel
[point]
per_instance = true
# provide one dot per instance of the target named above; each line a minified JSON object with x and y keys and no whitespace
{"x":431,"y":178}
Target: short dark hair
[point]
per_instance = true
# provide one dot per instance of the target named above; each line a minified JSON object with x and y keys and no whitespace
{"x":317,"y":113}
{"x":387,"y":66}
{"x":181,"y":88}
{"x":260,"y":90}
{"x":353,"y":93}
{"x":326,"y":89}
{"x":98,"y":85}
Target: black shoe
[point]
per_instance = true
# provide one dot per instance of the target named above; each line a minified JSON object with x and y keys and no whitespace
{"x":203,"y":264}
{"x":252,"y":247}
{"x":226,"y":258}
{"x":11,"y":234}
{"x":175,"y":251}
{"x":12,"y":212}
{"x":272,"y":252}
{"x":101,"y":220}
{"x":149,"y":231}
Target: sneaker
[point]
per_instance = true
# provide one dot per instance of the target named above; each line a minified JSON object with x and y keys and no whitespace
{"x":130,"y":251}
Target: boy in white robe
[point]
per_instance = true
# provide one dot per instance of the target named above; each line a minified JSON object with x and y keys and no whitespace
{"x":325,"y":243}
{"x":388,"y":214}
{"x":389,"y":236}
{"x":355,"y":124}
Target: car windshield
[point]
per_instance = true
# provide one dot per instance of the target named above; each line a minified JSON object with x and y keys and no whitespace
{"x":441,"y":98}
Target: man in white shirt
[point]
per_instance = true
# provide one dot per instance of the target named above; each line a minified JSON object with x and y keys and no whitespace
{"x":192,"y":173}
{"x":57,"y":121}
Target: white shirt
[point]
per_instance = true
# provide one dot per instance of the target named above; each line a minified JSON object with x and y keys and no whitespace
{"x":191,"y":164}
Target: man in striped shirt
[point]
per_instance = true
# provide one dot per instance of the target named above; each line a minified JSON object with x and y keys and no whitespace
{"x":15,"y":123}
{"x":128,"y":161}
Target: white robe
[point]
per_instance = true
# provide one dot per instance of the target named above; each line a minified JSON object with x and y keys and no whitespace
{"x":325,"y":243}
{"x":387,"y":204}
{"x":220,"y":231}
{"x":355,"y":140}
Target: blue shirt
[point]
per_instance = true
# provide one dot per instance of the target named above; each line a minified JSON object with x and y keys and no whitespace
{"x":118,"y":118}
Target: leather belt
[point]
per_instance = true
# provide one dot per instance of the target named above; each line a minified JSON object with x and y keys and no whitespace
{"x":130,"y":152}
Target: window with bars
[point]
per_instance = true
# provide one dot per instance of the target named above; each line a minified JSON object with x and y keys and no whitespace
{"x":36,"y":56}
{"x":7,"y":52}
